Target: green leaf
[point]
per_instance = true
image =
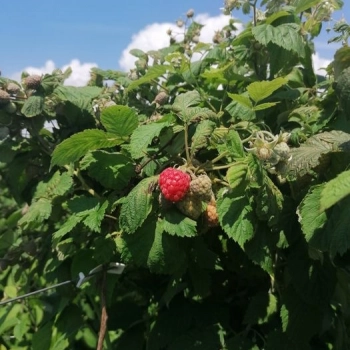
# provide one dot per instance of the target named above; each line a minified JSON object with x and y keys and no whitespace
{"x":261,"y":249}
{"x":237,"y":174}
{"x":260,"y":90}
{"x":311,"y":217}
{"x":78,"y":96}
{"x":150,"y":247}
{"x":193,"y":113}
{"x":33,"y":106}
{"x":292,"y":311}
{"x":201,"y":135}
{"x":119,"y":120}
{"x":234,"y":144}
{"x":139,"y":54}
{"x":337,"y":229}
{"x":236,"y":217}
{"x":42,"y":337}
{"x":112,"y":170}
{"x":243,"y":100}
{"x":263,"y":106}
{"x":143,"y":136}
{"x":39,"y":211}
{"x":58,"y":185}
{"x":183,"y":101}
{"x":286,"y":35}
{"x":269,"y":202}
{"x":313,"y":280}
{"x":335,"y":190}
{"x":302,"y":5}
{"x":177,"y":224}
{"x":153,"y":72}
{"x":76,"y":146}
{"x":239,"y":111}
{"x":137,"y":205}
{"x":309,"y":155}
{"x":95,"y":217}
{"x":260,"y":309}
{"x":66,"y":227}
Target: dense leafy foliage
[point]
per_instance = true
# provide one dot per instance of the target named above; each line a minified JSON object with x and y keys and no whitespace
{"x":265,"y":265}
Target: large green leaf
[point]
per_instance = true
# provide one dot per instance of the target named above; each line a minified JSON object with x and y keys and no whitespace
{"x":39,"y":211}
{"x":309,"y":155}
{"x":335,"y":190}
{"x":311,"y":218}
{"x":177,"y":224}
{"x":119,"y":120}
{"x":237,"y":174}
{"x":313,"y":280}
{"x":152,"y":73}
{"x":150,"y":247}
{"x":242,"y":99}
{"x":295,"y":309}
{"x":236,"y":217}
{"x":112,"y":170}
{"x":33,"y":106}
{"x":73,"y":148}
{"x":78,"y":96}
{"x":183,"y":101}
{"x":302,"y":5}
{"x":286,"y":35}
{"x":137,"y":205}
{"x":260,"y":90}
{"x":201,"y":135}
{"x":143,"y":136}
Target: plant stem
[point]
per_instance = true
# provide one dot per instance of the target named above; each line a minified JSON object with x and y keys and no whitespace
{"x":104,"y":315}
{"x":83,"y":183}
{"x":187,"y":146}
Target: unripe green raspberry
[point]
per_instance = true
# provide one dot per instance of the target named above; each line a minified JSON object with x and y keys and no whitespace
{"x":282,"y":150}
{"x":202,"y":187}
{"x":191,"y":206}
{"x":11,"y":108}
{"x":263,"y":153}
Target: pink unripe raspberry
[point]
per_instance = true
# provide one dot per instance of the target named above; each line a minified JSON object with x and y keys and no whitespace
{"x":174,"y":184}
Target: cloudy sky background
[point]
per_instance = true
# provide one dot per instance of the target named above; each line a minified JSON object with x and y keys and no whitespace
{"x":39,"y":36}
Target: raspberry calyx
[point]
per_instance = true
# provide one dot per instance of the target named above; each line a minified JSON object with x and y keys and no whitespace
{"x":174,"y":184}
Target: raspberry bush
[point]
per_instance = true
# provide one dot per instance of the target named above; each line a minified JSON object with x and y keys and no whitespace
{"x":216,"y":172}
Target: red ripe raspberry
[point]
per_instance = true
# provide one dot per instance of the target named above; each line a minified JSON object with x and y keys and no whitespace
{"x":174,"y":184}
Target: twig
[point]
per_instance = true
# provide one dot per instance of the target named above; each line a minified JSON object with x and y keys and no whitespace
{"x":104,"y":315}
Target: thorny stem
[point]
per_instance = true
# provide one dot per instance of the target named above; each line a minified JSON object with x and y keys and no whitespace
{"x":104,"y":315}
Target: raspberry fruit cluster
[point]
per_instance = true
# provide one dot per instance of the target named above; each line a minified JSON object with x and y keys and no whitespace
{"x":174,"y":184}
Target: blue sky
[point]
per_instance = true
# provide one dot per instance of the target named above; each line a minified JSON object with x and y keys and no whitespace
{"x":50,"y":34}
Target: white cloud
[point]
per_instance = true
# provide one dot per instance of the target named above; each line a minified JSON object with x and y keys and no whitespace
{"x":79,"y":77}
{"x":154,"y":36}
{"x":320,"y":62}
